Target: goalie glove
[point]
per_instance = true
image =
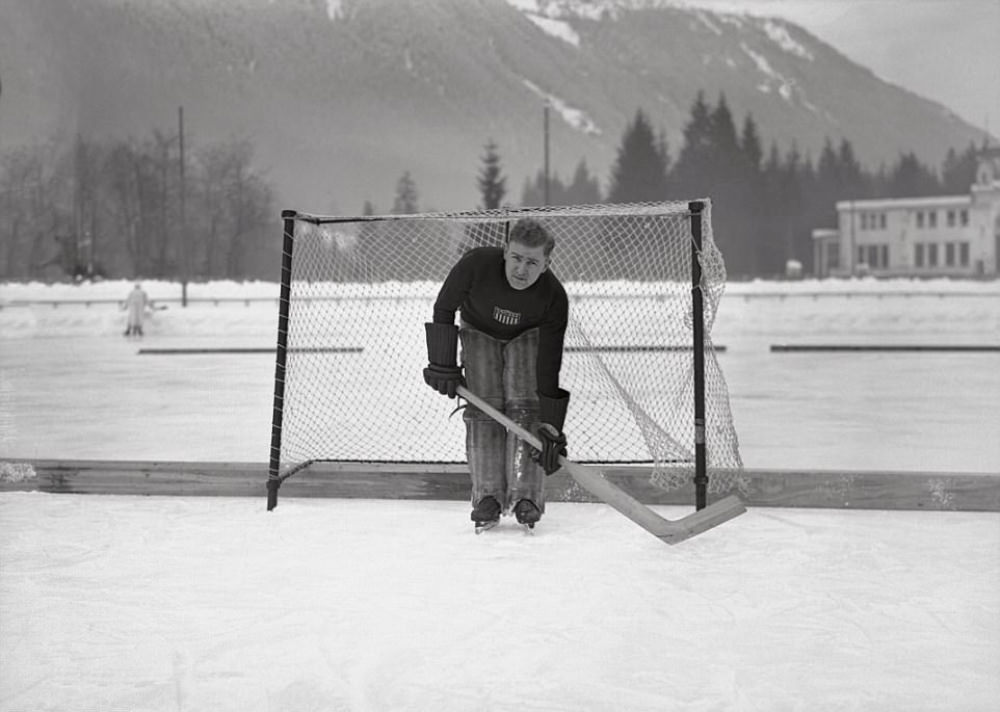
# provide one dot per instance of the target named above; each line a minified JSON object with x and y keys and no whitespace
{"x":553,"y":445}
{"x":552,"y":416}
{"x":442,"y":372}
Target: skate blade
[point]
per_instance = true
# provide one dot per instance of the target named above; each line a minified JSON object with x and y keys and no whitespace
{"x":486,"y":526}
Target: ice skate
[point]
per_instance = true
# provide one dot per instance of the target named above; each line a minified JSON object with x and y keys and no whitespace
{"x":527,"y":513}
{"x":486,"y":514}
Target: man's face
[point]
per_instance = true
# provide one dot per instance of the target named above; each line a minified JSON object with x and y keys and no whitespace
{"x":523,"y":265}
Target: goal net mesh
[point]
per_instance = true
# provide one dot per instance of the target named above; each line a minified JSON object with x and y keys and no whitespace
{"x":362,"y":288}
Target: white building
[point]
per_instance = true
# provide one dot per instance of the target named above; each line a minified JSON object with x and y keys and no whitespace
{"x":944,"y":236}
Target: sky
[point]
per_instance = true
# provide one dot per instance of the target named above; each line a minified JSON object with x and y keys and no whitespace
{"x":944,"y":50}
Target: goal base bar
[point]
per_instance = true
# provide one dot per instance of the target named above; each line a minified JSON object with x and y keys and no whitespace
{"x":670,"y":531}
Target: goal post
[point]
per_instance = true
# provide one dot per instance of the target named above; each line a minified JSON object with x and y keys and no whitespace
{"x":698,"y":355}
{"x":644,"y":282}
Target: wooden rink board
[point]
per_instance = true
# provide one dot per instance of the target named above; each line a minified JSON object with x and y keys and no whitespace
{"x":970,"y":492}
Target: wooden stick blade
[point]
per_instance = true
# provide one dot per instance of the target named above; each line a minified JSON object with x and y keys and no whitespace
{"x":671,"y":531}
{"x":704,"y":519}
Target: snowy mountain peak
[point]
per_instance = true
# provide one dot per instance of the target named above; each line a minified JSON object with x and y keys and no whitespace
{"x":777,"y":30}
{"x":589,"y":9}
{"x":384,"y":86}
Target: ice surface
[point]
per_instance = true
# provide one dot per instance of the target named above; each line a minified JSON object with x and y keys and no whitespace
{"x":129,"y":603}
{"x":72,"y":387}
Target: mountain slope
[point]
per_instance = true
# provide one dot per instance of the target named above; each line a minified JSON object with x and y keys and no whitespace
{"x":341,"y":97}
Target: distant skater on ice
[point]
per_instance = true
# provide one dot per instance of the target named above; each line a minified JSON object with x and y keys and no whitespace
{"x":136,"y":304}
{"x":514,"y":313}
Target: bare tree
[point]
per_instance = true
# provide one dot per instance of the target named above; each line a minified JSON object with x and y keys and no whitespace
{"x":31,"y":191}
{"x":120,"y":202}
{"x":235,"y":205}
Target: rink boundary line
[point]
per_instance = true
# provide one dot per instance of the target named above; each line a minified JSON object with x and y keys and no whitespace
{"x":179,"y":351}
{"x":249,"y":350}
{"x":830,"y":489}
{"x":953,"y":348}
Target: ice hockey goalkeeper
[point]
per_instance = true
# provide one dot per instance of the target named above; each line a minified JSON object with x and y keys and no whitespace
{"x":513,"y":320}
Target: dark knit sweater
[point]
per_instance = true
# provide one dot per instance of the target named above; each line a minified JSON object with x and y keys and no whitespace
{"x":478,"y":287}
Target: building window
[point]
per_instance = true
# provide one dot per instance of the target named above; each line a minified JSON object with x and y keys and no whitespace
{"x":875,"y":256}
{"x":951,"y":218}
{"x":932,"y":218}
{"x":864,"y":221}
{"x":918,"y":254}
{"x":949,"y":254}
{"x":920,"y":218}
{"x":963,"y":217}
{"x":963,"y":254}
{"x":932,"y":254}
{"x":881,"y":220}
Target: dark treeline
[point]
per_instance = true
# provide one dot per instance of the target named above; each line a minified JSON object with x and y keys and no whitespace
{"x":131,"y":209}
{"x":765,"y":203}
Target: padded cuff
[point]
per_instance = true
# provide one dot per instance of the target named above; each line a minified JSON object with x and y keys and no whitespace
{"x":553,"y":410}
{"x":442,"y":342}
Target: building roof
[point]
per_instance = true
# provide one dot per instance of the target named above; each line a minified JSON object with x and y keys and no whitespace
{"x":936,"y":201}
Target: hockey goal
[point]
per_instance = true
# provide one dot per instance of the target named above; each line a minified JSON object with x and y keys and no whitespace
{"x":644,"y":282}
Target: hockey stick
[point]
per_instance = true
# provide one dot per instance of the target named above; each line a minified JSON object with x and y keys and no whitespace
{"x":591,"y":479}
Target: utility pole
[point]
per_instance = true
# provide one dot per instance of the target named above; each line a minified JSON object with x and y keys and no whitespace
{"x":545,"y":122}
{"x":184,"y":243}
{"x":77,"y":204}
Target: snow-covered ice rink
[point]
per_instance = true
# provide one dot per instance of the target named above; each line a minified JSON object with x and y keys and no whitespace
{"x":128,"y":603}
{"x":72,"y":387}
{"x":125,"y":603}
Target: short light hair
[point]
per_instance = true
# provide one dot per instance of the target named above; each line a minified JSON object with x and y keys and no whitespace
{"x":530,"y":233}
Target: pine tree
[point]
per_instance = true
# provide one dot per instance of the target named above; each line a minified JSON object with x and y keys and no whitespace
{"x":697,"y":131}
{"x":405,"y":202}
{"x":692,"y":170}
{"x":770,"y":251}
{"x":910,"y":178}
{"x":584,"y":189}
{"x":722,"y":135}
{"x":958,"y":171}
{"x":641,"y":169}
{"x":852,"y":178}
{"x":751,"y":193}
{"x":753,"y":152}
{"x":492,"y":186}
{"x":829,"y":186}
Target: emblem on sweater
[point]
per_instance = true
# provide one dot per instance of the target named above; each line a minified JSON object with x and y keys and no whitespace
{"x":506,"y":317}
